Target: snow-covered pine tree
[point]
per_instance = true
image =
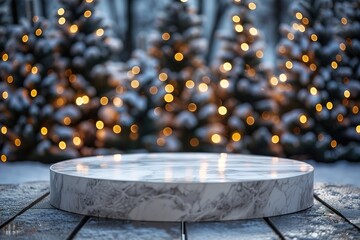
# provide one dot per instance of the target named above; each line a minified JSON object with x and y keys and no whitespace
{"x":246,"y":106}
{"x":85,"y":44}
{"x":27,"y":89}
{"x":178,"y":47}
{"x":312,"y":111}
{"x":135,"y":87}
{"x":345,"y":89}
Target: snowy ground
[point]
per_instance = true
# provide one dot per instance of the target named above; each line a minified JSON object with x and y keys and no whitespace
{"x":339,"y":173}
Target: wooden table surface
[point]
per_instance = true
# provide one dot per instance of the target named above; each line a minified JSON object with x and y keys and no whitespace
{"x":25,"y":213}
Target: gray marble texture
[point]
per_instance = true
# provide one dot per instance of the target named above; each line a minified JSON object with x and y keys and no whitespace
{"x":181,"y":186}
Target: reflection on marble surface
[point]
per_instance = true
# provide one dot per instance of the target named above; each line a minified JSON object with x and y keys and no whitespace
{"x":181,"y":186}
{"x":182,"y":167}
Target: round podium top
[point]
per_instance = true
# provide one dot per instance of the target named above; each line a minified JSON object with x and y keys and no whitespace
{"x":182,"y":168}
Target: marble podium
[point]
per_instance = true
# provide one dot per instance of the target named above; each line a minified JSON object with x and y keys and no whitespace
{"x":181,"y":186}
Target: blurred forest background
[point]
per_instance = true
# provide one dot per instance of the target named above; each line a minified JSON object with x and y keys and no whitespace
{"x":272,"y":77}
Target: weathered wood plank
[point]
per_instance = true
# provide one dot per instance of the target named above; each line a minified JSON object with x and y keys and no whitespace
{"x":14,"y":198}
{"x":246,"y":229}
{"x":345,"y":199}
{"x":98,"y":228}
{"x":317,"y":222}
{"x":41,"y":224}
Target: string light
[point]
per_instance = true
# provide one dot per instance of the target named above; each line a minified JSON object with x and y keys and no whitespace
{"x":329,"y":105}
{"x":5,"y":57}
{"x":100,"y":32}
{"x":73,"y":28}
{"x":10,"y":79}
{"x":167,"y":131}
{"x":60,"y":11}
{"x":347,"y":93}
{"x":314,"y":37}
{"x":313,"y":91}
{"x":253,"y":31}
{"x":344,"y":21}
{"x":135,"y":70}
{"x":17,"y":142}
{"x":99,"y":124}
{"x":168,"y":98}
{"x":38,"y":32}
{"x":5,"y":95}
{"x":117,"y":129}
{"x":274,"y":81}
{"x":305,"y":58}
{"x":303,"y":119}
{"x":299,"y":15}
{"x":334,"y":65}
{"x":117,"y":102}
{"x":357,"y":128}
{"x":62,"y":145}
{"x":259,"y":54}
{"x":203,"y":87}
{"x":236,"y":136}
{"x":135,"y":83}
{"x":355,"y":109}
{"x":244,"y":46}
{"x":227,"y":66}
{"x":77,"y":141}
{"x":290,"y":36}
{"x":192,"y":107}
{"x":62,"y":21}
{"x":33,"y":93}
{"x":87,"y":13}
{"x":104,"y":101}
{"x":25,"y":38}
{"x":252,"y":6}
{"x":288,"y":65}
{"x":160,"y":142}
{"x":333,"y":143}
{"x":283,"y":77}
{"x":190,"y":84}
{"x":313,"y":67}
{"x":169,"y":88}
{"x":134,"y":128}
{"x":342,"y":46}
{"x":222,"y":110}
{"x":165,"y":36}
{"x":224,"y":83}
{"x":163,"y":76}
{"x":153,"y":90}
{"x":43,"y":131}
{"x":305,"y":21}
{"x":3,"y":130}
{"x":275,"y":139}
{"x":340,"y":118}
{"x":216,"y":138}
{"x":250,"y":120}
{"x":194,"y":142}
{"x":239,"y":28}
{"x":34,"y":70}
{"x":236,"y":19}
{"x":3,"y":158}
{"x":318,"y":107}
{"x":179,"y":56}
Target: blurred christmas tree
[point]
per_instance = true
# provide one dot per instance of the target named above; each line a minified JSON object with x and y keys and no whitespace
{"x":246,"y":106}
{"x":82,"y":124}
{"x":178,"y":47}
{"x":316,"y":105}
{"x":28,"y":89}
{"x":135,"y":87}
{"x":346,"y":87}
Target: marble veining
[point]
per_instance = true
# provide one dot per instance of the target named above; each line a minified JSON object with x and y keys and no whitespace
{"x":181,"y":186}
